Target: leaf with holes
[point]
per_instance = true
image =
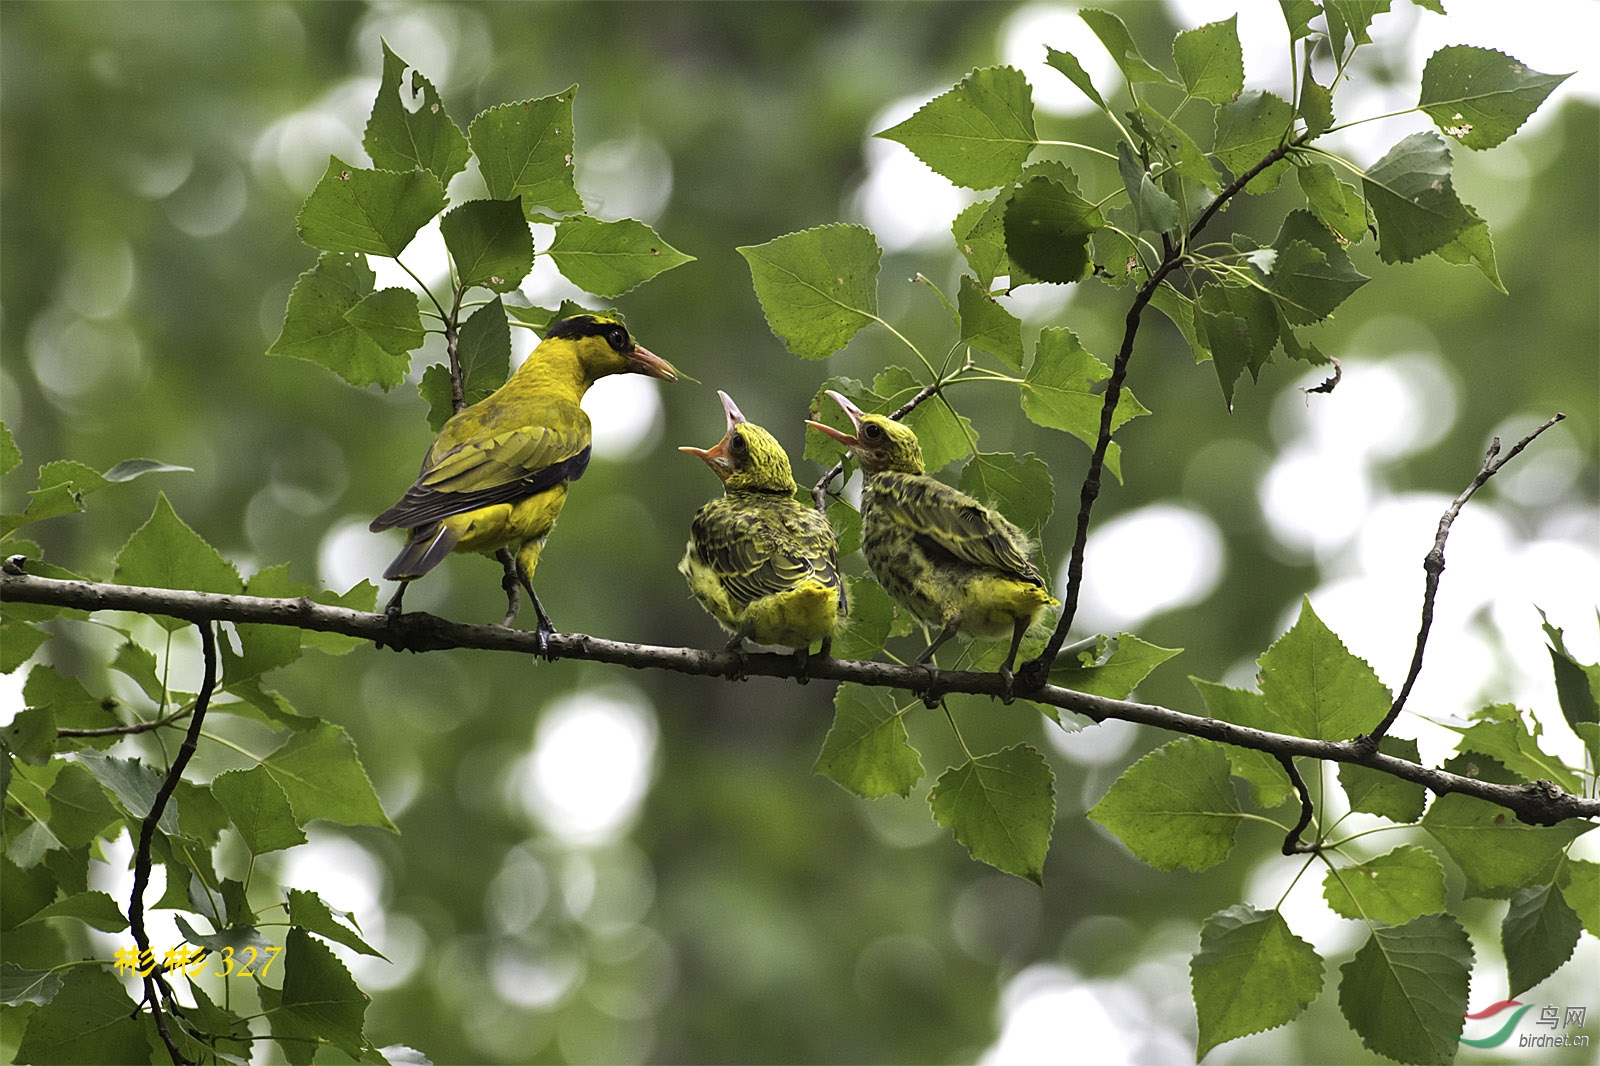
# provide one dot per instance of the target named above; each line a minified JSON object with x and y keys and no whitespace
{"x":1480,"y":96}
{"x":1413,"y":200}
{"x":1394,"y":888}
{"x":401,"y":137}
{"x":524,"y":150}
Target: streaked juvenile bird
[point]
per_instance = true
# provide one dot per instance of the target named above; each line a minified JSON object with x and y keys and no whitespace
{"x":763,"y":564}
{"x":496,"y":477}
{"x":942,"y":555}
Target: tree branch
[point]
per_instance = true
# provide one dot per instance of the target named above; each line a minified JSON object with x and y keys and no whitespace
{"x":1291,"y":842}
{"x":1540,"y":803}
{"x":1034,"y":672}
{"x":156,"y":988}
{"x":1433,"y":565}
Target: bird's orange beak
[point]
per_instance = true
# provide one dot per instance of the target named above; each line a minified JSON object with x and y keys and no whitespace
{"x":716,"y":456}
{"x":644,"y":361}
{"x":849,"y":440}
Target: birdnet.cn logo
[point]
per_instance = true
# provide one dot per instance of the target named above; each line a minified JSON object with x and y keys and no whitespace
{"x":1550,"y":1018}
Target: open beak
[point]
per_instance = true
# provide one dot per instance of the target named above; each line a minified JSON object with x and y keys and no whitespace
{"x":716,"y":456}
{"x":849,"y":440}
{"x":644,"y":361}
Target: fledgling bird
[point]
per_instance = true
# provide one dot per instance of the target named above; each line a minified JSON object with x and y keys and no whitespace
{"x":763,"y":564}
{"x":942,"y":555}
{"x":496,"y":477}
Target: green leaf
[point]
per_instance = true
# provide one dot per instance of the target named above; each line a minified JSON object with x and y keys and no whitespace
{"x":872,"y":615}
{"x":980,"y":236}
{"x":1178,"y":148}
{"x":987,"y":326}
{"x":225,"y":1034}
{"x":95,"y":909}
{"x":1297,"y":14}
{"x":30,"y":736}
{"x":1002,"y":807}
{"x":846,"y":522}
{"x":319,"y":991}
{"x":1020,"y":489}
{"x":1251,"y":973}
{"x":79,"y":810}
{"x":1411,"y":196}
{"x":134,"y":784}
{"x":1580,"y":887}
{"x":165,"y":553}
{"x":1405,"y":992}
{"x":817,"y":287}
{"x":322,"y":776}
{"x":1068,"y":64}
{"x":1248,"y":129}
{"x":489,"y":242}
{"x":1480,"y":96}
{"x":610,"y":258}
{"x":129,"y":469}
{"x":1123,"y":662}
{"x":1154,"y":209}
{"x":1316,"y":688}
{"x":1174,"y":807}
{"x":1509,"y":741}
{"x":1057,"y":392}
{"x":1113,"y":33}
{"x":1351,"y":18}
{"x":263,"y":647}
{"x":1180,"y":310}
{"x":1383,"y":794}
{"x":1577,"y":690}
{"x":308,"y":911}
{"x":18,"y":986}
{"x":1311,"y":273}
{"x":1337,"y":205}
{"x":335,"y":319}
{"x":200,"y":816}
{"x":18,"y":640}
{"x":1316,"y":102}
{"x":1474,"y":247}
{"x":979,"y":134}
{"x":1240,"y":325}
{"x":10,"y":454}
{"x":371,"y":211}
{"x":524,"y":149}
{"x":1498,"y":853}
{"x":1047,"y":230}
{"x":483,"y":351}
{"x":866,"y":749}
{"x":399,"y":137}
{"x":1269,"y":784}
{"x":90,"y":1020}
{"x":1538,"y":936}
{"x":1210,"y":61}
{"x":70,"y":704}
{"x":259,"y":809}
{"x":81,"y":479}
{"x":1406,"y":883}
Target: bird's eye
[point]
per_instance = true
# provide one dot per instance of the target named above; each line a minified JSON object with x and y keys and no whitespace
{"x":872,"y":431}
{"x":739,"y":444}
{"x":618,"y":338}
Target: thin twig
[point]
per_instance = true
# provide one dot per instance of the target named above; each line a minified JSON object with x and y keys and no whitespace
{"x":124,"y":730}
{"x":1033,"y":673}
{"x":1433,"y":566}
{"x":156,"y":988}
{"x":1291,"y":843}
{"x":1536,"y":804}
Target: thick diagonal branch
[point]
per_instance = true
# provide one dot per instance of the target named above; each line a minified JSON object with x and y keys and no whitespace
{"x":1538,"y":804}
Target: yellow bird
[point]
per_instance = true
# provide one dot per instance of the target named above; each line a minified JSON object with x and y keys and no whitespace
{"x":496,"y":477}
{"x":764,"y":565}
{"x":942,"y":555}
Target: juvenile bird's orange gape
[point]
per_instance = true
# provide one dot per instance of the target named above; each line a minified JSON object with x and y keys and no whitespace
{"x":496,"y":477}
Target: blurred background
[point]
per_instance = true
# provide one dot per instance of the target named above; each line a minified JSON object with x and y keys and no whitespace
{"x":597,"y":865}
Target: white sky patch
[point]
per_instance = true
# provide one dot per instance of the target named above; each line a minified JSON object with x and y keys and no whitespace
{"x":626,"y":177}
{"x":1047,"y":1008}
{"x":590,"y":766}
{"x":351,"y":553}
{"x":626,"y":412}
{"x":427,"y":258}
{"x":1145,"y":562}
{"x":905,"y":204}
{"x":1023,"y":38}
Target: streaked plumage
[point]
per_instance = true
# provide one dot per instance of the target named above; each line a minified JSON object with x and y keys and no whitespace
{"x":763,"y":564}
{"x":942,"y":555}
{"x":496,"y":477}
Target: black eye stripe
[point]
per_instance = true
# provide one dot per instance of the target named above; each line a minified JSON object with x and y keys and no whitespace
{"x":579,"y":326}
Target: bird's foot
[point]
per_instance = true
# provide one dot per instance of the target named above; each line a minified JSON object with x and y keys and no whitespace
{"x":802,"y":662}
{"x":736,"y":669}
{"x":1007,"y":685}
{"x":931,"y":696}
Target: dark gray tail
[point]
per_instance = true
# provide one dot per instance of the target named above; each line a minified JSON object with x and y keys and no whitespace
{"x":427,"y":546}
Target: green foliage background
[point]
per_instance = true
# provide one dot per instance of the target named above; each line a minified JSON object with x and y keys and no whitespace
{"x":756,"y":912}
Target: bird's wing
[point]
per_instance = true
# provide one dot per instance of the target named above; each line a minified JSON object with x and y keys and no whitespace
{"x":953,"y":522}
{"x":758,"y":552}
{"x":497,"y":467}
